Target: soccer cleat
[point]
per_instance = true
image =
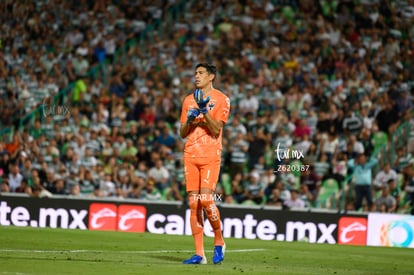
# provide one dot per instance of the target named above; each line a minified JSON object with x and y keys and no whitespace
{"x":219,"y":252}
{"x":196,"y":259}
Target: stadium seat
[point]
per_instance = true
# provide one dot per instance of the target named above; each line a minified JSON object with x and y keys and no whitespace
{"x":379,"y":139}
{"x":328,"y":194}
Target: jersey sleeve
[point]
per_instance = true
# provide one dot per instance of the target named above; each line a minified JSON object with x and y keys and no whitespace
{"x":184,"y":110}
{"x":224,"y":109}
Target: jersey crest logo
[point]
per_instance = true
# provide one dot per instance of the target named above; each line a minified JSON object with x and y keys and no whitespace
{"x":211,"y":106}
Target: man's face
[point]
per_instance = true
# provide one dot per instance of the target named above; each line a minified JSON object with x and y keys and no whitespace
{"x":15,"y":169}
{"x":202,"y":77}
{"x":362,"y":159}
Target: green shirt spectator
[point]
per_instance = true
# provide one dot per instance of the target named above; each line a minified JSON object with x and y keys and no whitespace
{"x":80,"y":87}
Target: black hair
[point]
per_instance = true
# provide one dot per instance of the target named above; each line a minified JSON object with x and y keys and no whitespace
{"x":211,"y":69}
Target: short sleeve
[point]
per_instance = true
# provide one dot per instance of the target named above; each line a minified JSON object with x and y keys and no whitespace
{"x":224,"y":109}
{"x":184,"y":110}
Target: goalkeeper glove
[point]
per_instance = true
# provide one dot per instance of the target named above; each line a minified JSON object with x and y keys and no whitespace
{"x":192,"y":114}
{"x":201,"y":102}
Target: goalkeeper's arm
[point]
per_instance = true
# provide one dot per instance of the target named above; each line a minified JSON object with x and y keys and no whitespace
{"x":213,"y":125}
{"x":191,"y":116}
{"x":185,"y":129}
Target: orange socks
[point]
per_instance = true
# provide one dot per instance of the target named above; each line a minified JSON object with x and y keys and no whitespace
{"x":213,"y":216}
{"x":197,"y":223}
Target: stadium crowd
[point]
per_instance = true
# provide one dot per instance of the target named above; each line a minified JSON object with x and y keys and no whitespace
{"x":332,"y":81}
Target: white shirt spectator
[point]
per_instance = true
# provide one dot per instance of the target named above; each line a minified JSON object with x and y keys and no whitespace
{"x":159,"y":173}
{"x":249,"y":104}
{"x":110,"y":45}
{"x":74,"y":38}
{"x":283,"y":141}
{"x":236,"y":127}
{"x":358,"y":147}
{"x":330,"y":145}
{"x":303,"y":145}
{"x":89,"y":162}
{"x":383,"y":176}
{"x":80,"y":64}
{"x":107,"y":188}
{"x":294,"y":201}
{"x":14,"y":181}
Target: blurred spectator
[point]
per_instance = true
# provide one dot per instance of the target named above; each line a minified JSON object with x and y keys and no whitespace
{"x":395,"y":191}
{"x":106,"y":186}
{"x":128,"y":153}
{"x":137,"y":189}
{"x":159,"y":176}
{"x":237,"y":189}
{"x":177,"y":191}
{"x":366,"y":140}
{"x":354,"y":147}
{"x":306,"y":196}
{"x":4,"y":185}
{"x":15,"y":178}
{"x":124,"y":180}
{"x":58,"y":187}
{"x":321,"y":166}
{"x":238,"y":148}
{"x":151,"y":192}
{"x":311,"y":185}
{"x":384,"y":176}
{"x":274,"y":199}
{"x":294,"y":201}
{"x":352,"y":123}
{"x":385,"y":203}
{"x":408,"y":187}
{"x":387,"y":118}
{"x":236,"y":127}
{"x":75,"y":191}
{"x":148,"y":116}
{"x":288,"y":180}
{"x":86,"y":181}
{"x":329,"y":146}
{"x":24,"y":187}
{"x":283,"y":140}
{"x":339,"y":169}
{"x":254,"y":191}
{"x":249,"y":104}
{"x":402,"y":159}
{"x":268,"y":179}
{"x":165,"y":137}
{"x":363,"y":180}
{"x":257,"y":146}
{"x":26,"y":169}
{"x":301,"y":130}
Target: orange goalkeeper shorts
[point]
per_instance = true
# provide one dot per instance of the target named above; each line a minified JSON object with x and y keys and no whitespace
{"x":201,"y":173}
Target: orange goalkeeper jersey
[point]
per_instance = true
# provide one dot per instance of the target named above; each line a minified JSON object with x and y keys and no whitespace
{"x":200,"y":142}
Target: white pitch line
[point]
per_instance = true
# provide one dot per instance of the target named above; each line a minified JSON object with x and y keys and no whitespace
{"x":124,"y":252}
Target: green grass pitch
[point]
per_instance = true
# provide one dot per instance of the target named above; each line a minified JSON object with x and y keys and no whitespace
{"x":60,"y":251}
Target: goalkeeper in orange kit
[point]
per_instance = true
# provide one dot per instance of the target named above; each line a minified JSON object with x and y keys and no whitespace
{"x":203,"y":115}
